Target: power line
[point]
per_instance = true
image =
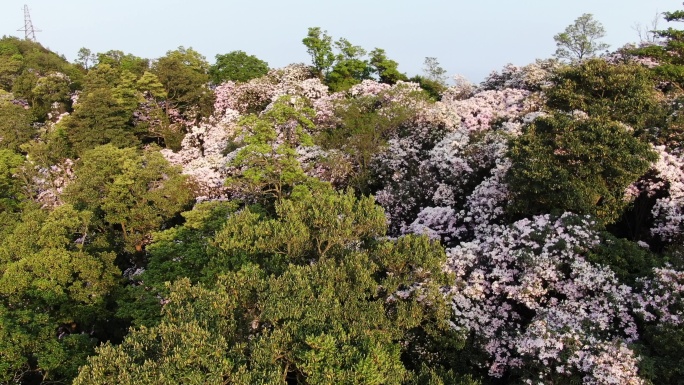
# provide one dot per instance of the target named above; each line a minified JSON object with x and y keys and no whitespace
{"x":29,"y":31}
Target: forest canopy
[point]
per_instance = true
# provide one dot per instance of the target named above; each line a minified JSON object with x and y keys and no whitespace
{"x":176,"y":221}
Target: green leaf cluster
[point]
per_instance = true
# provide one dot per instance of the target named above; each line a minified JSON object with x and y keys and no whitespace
{"x":308,"y":296}
{"x":53,"y":294}
{"x":342,"y":65}
{"x":237,"y":66}
{"x":561,"y":163}
{"x":130,"y":193}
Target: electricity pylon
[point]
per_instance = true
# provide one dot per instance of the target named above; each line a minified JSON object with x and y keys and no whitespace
{"x":29,"y":31}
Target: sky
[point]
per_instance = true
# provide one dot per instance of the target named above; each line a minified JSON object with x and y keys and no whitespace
{"x":468,"y":37}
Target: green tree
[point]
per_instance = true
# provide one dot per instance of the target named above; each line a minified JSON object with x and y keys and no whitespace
{"x":154,"y":123}
{"x":669,"y":53}
{"x":184,"y":75}
{"x":314,"y":223}
{"x":319,"y":45}
{"x":619,"y":92}
{"x":386,"y":69}
{"x":267,"y":165}
{"x":350,"y":67}
{"x":434,"y":71}
{"x":50,"y":91}
{"x":15,"y":126}
{"x":20,"y":57}
{"x":123,"y":61}
{"x":99,"y":118}
{"x":364,"y":126}
{"x":10,"y":190}
{"x":237,"y":66}
{"x":11,"y":62}
{"x":581,"y":165}
{"x":580,"y":40}
{"x":130,"y":193}
{"x":337,"y":314}
{"x":86,"y":58}
{"x":185,"y":251}
{"x":434,"y":89}
{"x":53,"y":295}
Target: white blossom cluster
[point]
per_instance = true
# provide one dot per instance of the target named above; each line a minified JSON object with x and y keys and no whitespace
{"x":538,"y":307}
{"x":202,"y":155}
{"x":49,"y":183}
{"x":668,"y":211}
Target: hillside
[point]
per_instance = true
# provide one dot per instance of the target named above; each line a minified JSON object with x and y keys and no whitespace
{"x":168,"y":220}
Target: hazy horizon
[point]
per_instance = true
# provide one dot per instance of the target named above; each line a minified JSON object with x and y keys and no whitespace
{"x":468,"y":38}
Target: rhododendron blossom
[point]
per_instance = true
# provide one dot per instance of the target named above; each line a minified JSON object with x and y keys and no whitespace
{"x":662,"y":298}
{"x":538,"y":307}
{"x":202,"y":155}
{"x":669,"y":211}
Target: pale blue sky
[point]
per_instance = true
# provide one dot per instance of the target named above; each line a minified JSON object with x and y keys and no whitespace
{"x":470,"y":37}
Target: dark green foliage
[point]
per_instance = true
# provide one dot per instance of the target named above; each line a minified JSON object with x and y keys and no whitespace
{"x":433,"y":88}
{"x":384,"y":68}
{"x":333,"y":314}
{"x":626,"y":259}
{"x":131,"y":194}
{"x":184,"y":75}
{"x":662,"y":359}
{"x":99,"y":119}
{"x":186,"y":251}
{"x":365,"y":124}
{"x":15,"y":126}
{"x":237,"y":66}
{"x":583,"y":165}
{"x":10,"y":189}
{"x":620,"y":92}
{"x":53,"y":292}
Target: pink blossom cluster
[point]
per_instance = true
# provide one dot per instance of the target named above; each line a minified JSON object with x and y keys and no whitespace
{"x":400,"y":94}
{"x":368,"y":88}
{"x":663,"y":185}
{"x":538,"y":307}
{"x":486,"y":205}
{"x":668,"y":211}
{"x":21,"y":102}
{"x":624,"y":55}
{"x":478,"y":112}
{"x":436,"y":222}
{"x":202,"y":155}
{"x":256,"y":94}
{"x":244,"y":97}
{"x":461,"y":89}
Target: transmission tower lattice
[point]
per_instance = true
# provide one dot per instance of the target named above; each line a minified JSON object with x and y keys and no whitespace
{"x":29,"y":31}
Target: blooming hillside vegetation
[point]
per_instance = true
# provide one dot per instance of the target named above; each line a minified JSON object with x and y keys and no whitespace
{"x":170,"y":221}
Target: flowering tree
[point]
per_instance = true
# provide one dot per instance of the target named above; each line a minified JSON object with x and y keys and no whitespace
{"x":539,"y":308}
